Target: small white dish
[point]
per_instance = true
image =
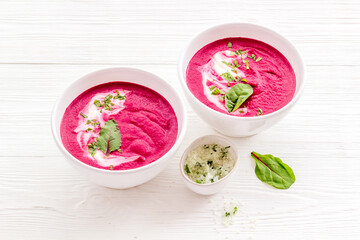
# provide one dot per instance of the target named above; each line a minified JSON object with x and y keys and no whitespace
{"x":209,"y":188}
{"x":120,"y":179}
{"x":233,"y":125}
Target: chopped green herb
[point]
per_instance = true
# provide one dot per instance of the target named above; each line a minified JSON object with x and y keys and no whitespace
{"x":97,"y":103}
{"x":118,"y":96}
{"x":198,"y":164}
{"x":215,"y":92}
{"x":247,"y":64}
{"x":221,"y":91}
{"x":227,"y":214}
{"x":88,"y":122}
{"x":236,"y":64}
{"x":235,"y":209}
{"x":233,"y":70}
{"x":227,"y":147}
{"x":198,"y":181}
{"x":227,"y":76}
{"x":210,"y":163}
{"x":239,"y":52}
{"x":212,"y":180}
{"x":89,"y":129}
{"x":259,"y":112}
{"x":228,"y":85}
{"x":119,"y":150}
{"x":237,"y":79}
{"x":221,"y":97}
{"x":187,"y":169}
{"x":228,"y":64}
{"x":212,"y":87}
{"x":206,"y":146}
{"x":258,"y":59}
{"x":92,"y":147}
{"x":214,"y":147}
{"x":229,"y":45}
{"x":111,"y":167}
{"x":83,"y":115}
{"x":244,"y":80}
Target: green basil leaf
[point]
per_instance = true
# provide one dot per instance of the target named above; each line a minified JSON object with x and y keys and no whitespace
{"x":273,"y":171}
{"x":237,"y":96}
{"x":109,"y":138}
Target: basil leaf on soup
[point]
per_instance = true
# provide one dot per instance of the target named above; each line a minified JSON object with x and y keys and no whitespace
{"x":273,"y":171}
{"x":109,"y":138}
{"x":237,"y":96}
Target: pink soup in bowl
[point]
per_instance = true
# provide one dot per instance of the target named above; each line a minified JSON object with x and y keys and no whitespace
{"x":241,"y":78}
{"x":119,"y":127}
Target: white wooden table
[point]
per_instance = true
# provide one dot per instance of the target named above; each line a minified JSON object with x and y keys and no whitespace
{"x":46,"y":45}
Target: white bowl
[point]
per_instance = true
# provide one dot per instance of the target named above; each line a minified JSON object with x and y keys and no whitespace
{"x":233,"y":125}
{"x":209,"y":188}
{"x":120,"y":179}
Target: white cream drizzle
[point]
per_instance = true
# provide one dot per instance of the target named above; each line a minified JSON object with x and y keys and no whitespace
{"x":211,"y":73}
{"x":85,"y":137}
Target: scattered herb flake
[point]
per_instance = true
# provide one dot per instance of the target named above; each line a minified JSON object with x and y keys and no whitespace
{"x":83,"y":115}
{"x":187,"y":169}
{"x":235,"y":209}
{"x":92,"y":147}
{"x":215,"y":92}
{"x":227,"y":214}
{"x":97,"y":103}
{"x":228,"y":64}
{"x":259,"y":112}
{"x":258,"y":59}
{"x":244,"y":80}
{"x":236,"y":64}
{"x":212,"y":88}
{"x":229,"y":45}
{"x":111,"y":167}
{"x":227,"y":76}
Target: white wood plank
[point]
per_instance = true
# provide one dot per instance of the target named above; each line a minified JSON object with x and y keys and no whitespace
{"x":45,"y":45}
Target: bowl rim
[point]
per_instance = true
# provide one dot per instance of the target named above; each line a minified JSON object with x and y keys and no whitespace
{"x":172,"y":150}
{"x":186,"y":152}
{"x":182,"y":78}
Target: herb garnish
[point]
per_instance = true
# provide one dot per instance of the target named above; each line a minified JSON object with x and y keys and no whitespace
{"x":244,"y":80}
{"x":92,"y":148}
{"x":273,"y":171}
{"x":228,"y":64}
{"x":118,"y":96}
{"x":246,"y":64}
{"x":187,"y":169}
{"x":228,"y":77}
{"x":212,"y":87}
{"x":111,"y":167}
{"x":229,"y":45}
{"x":235,"y":209}
{"x":227,"y":214}
{"x":215,"y":92}
{"x":258,"y":59}
{"x":259,"y":112}
{"x":237,"y":96}
{"x":236,"y":64}
{"x":239,"y":52}
{"x":83,"y":115}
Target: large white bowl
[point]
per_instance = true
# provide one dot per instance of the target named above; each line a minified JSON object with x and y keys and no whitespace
{"x":120,"y":179}
{"x":233,"y":125}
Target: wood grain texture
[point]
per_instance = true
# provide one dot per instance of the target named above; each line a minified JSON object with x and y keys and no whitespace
{"x":46,"y":45}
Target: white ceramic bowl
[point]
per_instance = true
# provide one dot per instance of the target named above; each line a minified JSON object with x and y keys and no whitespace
{"x":120,"y":179}
{"x":209,"y":188}
{"x":233,"y":125}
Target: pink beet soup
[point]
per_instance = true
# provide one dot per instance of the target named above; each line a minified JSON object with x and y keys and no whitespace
{"x":119,"y":126}
{"x":264,"y":77}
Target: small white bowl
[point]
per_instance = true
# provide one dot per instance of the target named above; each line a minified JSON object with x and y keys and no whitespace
{"x":209,"y":188}
{"x":233,"y":125}
{"x":120,"y":179}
